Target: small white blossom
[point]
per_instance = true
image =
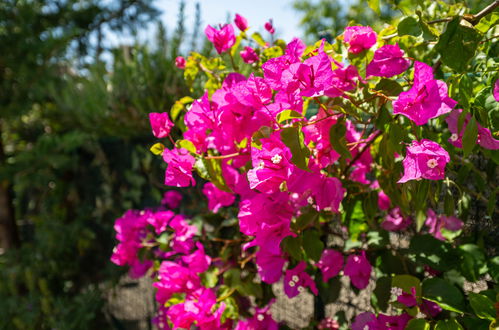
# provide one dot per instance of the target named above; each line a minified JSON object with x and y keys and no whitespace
{"x":291,"y":284}
{"x":276,"y":159}
{"x":295,"y":278}
{"x":432,"y":163}
{"x":260,"y":317}
{"x":454,"y":137}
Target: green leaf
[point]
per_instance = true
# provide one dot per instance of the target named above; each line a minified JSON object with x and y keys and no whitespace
{"x":465,"y":91}
{"x":417,"y":324}
{"x":381,"y":294}
{"x":312,"y":244}
{"x":473,"y":263}
{"x":338,"y":141}
{"x":305,"y":219}
{"x":493,"y":265}
{"x":444,"y":294}
{"x":487,"y":22}
{"x":482,"y":306}
{"x":389,"y":87}
{"x":157,"y":149}
{"x":211,"y":170}
{"x":470,"y":136}
{"x":458,"y":39}
{"x":288,"y":114}
{"x":374,"y":5}
{"x":210,"y":278}
{"x":448,"y":324}
{"x":434,"y":253}
{"x":186,"y":144}
{"x":293,"y":246}
{"x":293,"y":138}
{"x":258,"y":38}
{"x":328,"y":291}
{"x":409,"y":26}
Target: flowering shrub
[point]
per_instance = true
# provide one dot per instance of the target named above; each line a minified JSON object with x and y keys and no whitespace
{"x":334,"y":159}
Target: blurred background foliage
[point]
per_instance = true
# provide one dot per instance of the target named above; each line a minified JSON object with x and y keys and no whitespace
{"x":73,"y":149}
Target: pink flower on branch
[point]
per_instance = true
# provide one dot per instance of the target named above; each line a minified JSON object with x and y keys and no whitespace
{"x":388,"y":61}
{"x":161,"y":124}
{"x":358,"y":269}
{"x":297,"y":279}
{"x":241,"y":22}
{"x":427,"y":99}
{"x":359,"y":38}
{"x":424,"y":159}
{"x":222,"y":39}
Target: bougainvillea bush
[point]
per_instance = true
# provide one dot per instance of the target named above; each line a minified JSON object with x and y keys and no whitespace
{"x":371,"y":158}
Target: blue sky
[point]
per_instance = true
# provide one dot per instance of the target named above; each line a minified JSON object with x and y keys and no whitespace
{"x":257,"y":12}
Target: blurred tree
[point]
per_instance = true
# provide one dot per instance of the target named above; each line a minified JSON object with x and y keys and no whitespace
{"x":42,"y":36}
{"x":328,"y":18}
{"x":72,"y":158}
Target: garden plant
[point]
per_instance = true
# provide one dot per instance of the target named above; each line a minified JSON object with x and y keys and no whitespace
{"x":371,"y":157}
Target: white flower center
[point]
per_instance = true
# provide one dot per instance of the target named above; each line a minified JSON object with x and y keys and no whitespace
{"x":291,"y":284}
{"x":300,"y":289}
{"x":260,"y":317}
{"x":454,"y":137}
{"x":276,"y":159}
{"x":261,"y":165}
{"x":396,"y":291}
{"x":310,"y":200}
{"x":295,"y":278}
{"x":432,"y":163}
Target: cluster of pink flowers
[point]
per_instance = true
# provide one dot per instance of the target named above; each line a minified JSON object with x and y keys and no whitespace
{"x":273,"y":169}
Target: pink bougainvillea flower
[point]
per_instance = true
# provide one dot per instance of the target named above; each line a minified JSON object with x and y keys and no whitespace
{"x":330,"y":264}
{"x":249,"y":55}
{"x":297,"y":279}
{"x":388,"y":61}
{"x":182,"y":241}
{"x":198,"y":308}
{"x":172,"y":199}
{"x":241,"y":22}
{"x":384,"y":201}
{"x":485,"y":138}
{"x":197,"y":261}
{"x":262,"y":209}
{"x":395,"y":220}
{"x":343,"y":80}
{"x":216,"y":197}
{"x":174,"y":278}
{"x":363,"y":321}
{"x":261,"y":320}
{"x":222,"y":39}
{"x":358,"y":269}
{"x":408,"y":299}
{"x":362,"y":166}
{"x":160,"y":220}
{"x":180,"y":62}
{"x":271,"y":165}
{"x":426,"y":99}
{"x":430,"y":308}
{"x":161,"y":124}
{"x":496,"y":90}
{"x":424,"y":159}
{"x":396,"y":322}
{"x":269,"y":265}
{"x":269,"y":27}
{"x":179,"y":171}
{"x":359,"y":38}
{"x":437,"y":223}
